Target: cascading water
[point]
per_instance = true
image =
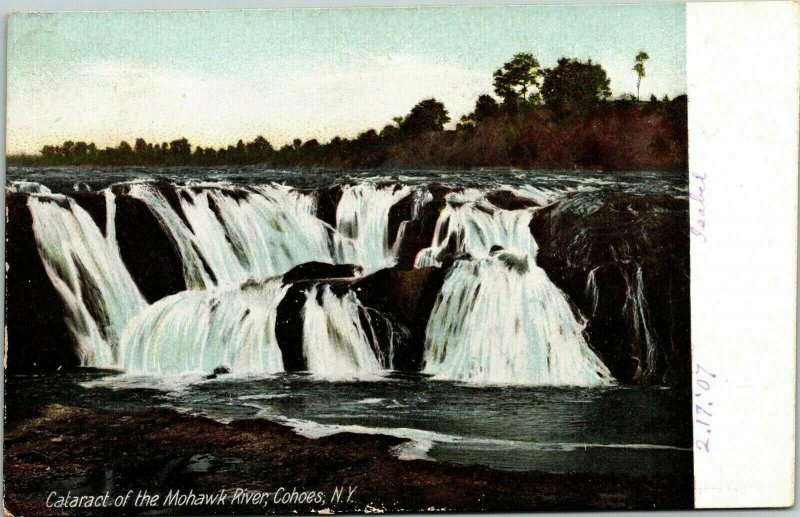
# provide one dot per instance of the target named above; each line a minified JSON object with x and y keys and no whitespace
{"x":472,"y":225}
{"x":499,"y":319}
{"x":198,"y":331}
{"x":636,"y":309}
{"x":86,"y":270}
{"x":335,"y":343}
{"x":362,"y":221}
{"x":591,"y":292}
{"x":240,"y":234}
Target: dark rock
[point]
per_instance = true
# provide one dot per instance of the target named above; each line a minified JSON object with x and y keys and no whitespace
{"x":170,"y":193}
{"x":399,"y":212}
{"x":633,"y":243}
{"x":419,"y":232}
{"x":38,"y":338}
{"x":507,"y":200}
{"x":320,"y":270}
{"x":95,"y":205}
{"x":327,"y":202}
{"x":219,"y":370}
{"x":405,"y":298}
{"x":397,"y":306}
{"x":147,"y":251}
{"x":289,"y":326}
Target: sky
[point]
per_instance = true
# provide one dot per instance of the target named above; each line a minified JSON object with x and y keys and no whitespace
{"x":218,"y":76}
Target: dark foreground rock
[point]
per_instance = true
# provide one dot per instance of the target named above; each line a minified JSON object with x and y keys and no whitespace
{"x":396,"y":306}
{"x":91,"y":452}
{"x":38,"y":338}
{"x":624,"y":260}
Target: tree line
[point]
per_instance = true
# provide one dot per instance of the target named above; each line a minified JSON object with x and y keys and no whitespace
{"x":572,"y":88}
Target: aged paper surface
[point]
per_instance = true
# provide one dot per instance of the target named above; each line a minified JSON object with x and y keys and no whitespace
{"x":749,"y":344}
{"x":463,"y":258}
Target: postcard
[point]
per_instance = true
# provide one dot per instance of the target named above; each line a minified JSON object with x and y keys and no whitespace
{"x":412,"y":259}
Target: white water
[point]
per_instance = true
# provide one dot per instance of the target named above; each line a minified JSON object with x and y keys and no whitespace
{"x":499,"y":319}
{"x":73,"y":248}
{"x":266,"y":234}
{"x":198,"y":331}
{"x":362,"y":220}
{"x":636,"y":309}
{"x":474,"y":226}
{"x":335,"y":343}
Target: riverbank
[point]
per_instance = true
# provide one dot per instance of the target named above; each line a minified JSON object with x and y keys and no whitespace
{"x":618,"y":135}
{"x":92,"y":452}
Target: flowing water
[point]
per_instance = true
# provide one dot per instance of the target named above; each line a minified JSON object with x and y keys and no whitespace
{"x":508,"y":379}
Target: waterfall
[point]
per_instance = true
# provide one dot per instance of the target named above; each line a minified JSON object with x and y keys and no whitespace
{"x":591,"y":292}
{"x":335,"y":341}
{"x":472,"y":225}
{"x":235,"y":234}
{"x":228,"y":234}
{"x":197,"y":331}
{"x":362,"y":222}
{"x":195,"y":275}
{"x":87,"y":272}
{"x":499,"y":320}
{"x":636,"y":309}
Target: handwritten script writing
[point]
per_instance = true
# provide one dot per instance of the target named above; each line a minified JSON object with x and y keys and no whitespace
{"x":697,"y":226}
{"x":703,"y":408}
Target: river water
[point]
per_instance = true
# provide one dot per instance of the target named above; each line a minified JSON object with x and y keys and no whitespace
{"x":461,"y":408}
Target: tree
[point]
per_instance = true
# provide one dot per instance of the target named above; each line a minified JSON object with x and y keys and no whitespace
{"x":367,"y":136}
{"x":638,"y":67}
{"x":388,"y":132}
{"x":486,"y":107}
{"x":140,"y":146}
{"x":180,"y":147}
{"x":427,"y":115}
{"x":124,"y":148}
{"x":517,"y":81}
{"x":574,"y":87}
{"x":261,"y":146}
{"x":80,"y":149}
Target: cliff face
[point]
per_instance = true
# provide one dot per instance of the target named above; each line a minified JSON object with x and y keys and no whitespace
{"x":624,"y":260}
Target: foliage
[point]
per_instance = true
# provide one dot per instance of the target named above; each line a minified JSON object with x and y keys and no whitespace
{"x":517,"y":82}
{"x":427,"y":115}
{"x":485,"y":108}
{"x":638,"y":67}
{"x":575,"y":88}
{"x":517,"y":131}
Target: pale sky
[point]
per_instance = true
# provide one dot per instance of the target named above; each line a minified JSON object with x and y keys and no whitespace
{"x":218,"y":76}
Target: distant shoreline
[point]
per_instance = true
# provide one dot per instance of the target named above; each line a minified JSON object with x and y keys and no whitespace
{"x":619,"y":136}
